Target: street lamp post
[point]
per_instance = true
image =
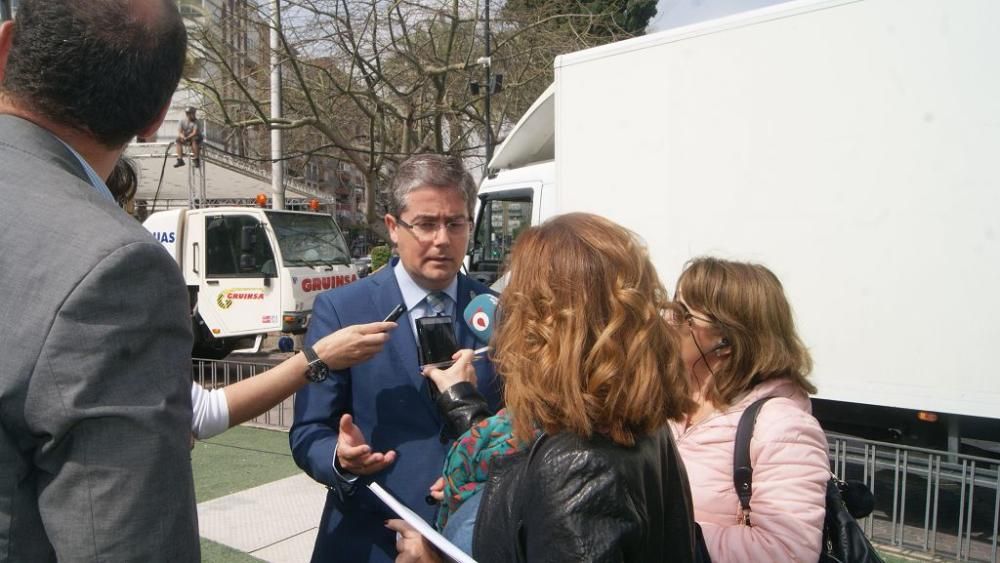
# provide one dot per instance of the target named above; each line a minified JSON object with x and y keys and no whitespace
{"x":277,"y":162}
{"x":489,"y":90}
{"x":492,"y":86}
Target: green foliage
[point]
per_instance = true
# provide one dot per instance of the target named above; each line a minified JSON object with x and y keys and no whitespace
{"x":601,"y":20}
{"x":529,"y":34}
{"x":635,"y":15}
{"x":380,"y":256}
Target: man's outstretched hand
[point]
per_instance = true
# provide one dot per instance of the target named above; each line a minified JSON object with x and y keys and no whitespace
{"x":354,"y":455}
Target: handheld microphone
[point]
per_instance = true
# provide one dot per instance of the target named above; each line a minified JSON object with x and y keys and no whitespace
{"x":480,"y":316}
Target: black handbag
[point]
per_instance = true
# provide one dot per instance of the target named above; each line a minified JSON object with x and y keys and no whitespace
{"x":843,"y":540}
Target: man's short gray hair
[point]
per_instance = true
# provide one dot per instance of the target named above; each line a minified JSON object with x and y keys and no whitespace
{"x":431,"y":170}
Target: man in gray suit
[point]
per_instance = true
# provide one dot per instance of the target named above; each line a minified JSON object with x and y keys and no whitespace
{"x":95,"y":404}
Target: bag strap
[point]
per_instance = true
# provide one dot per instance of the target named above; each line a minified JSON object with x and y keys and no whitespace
{"x":742,"y":470}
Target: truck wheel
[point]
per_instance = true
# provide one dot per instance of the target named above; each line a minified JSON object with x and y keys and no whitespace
{"x":207,"y":346}
{"x":216,"y":350}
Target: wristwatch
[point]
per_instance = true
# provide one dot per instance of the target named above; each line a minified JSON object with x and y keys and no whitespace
{"x":316,"y":371}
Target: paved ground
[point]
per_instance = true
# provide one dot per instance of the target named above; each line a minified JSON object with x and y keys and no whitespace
{"x":253,"y":502}
{"x":275,"y":522}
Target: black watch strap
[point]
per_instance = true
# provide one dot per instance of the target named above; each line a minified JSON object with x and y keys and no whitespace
{"x":317,"y":369}
{"x":311,"y":356}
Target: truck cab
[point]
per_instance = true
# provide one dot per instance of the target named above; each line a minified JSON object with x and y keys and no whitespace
{"x":251,"y":271}
{"x":507,"y":206}
{"x":519,"y":193}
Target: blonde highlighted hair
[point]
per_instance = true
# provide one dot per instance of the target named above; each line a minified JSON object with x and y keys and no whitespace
{"x":582,"y":344}
{"x":747,"y":303}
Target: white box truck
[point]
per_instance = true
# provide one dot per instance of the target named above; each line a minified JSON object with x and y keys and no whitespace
{"x":853,"y":146}
{"x":251,"y":271}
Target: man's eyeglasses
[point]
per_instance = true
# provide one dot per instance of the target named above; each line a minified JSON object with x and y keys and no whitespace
{"x":427,"y":230}
{"x":678,"y":314}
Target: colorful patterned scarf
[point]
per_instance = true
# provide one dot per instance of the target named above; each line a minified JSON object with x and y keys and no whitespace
{"x":467,"y":465}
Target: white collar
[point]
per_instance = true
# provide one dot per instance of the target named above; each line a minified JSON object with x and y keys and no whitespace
{"x":413,"y":294}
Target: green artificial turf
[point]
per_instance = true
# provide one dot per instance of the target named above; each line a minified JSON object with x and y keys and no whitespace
{"x":239,"y":459}
{"x":212,"y":552}
{"x":897,"y":558}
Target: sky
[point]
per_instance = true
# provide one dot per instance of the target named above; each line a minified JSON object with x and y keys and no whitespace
{"x":674,"y":13}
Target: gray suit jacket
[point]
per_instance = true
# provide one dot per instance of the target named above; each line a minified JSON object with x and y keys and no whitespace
{"x":95,"y":381}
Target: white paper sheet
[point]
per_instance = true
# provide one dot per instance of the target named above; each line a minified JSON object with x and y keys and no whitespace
{"x":418,"y":523}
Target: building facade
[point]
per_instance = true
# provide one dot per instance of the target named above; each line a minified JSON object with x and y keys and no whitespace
{"x":229,"y":55}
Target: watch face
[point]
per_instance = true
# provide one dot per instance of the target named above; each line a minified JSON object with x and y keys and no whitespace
{"x":316,"y":373}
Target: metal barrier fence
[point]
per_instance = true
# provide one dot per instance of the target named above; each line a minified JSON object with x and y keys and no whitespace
{"x":215,"y":374}
{"x":938,"y":503}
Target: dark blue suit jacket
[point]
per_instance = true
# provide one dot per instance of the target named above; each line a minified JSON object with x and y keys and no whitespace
{"x":391,"y":403}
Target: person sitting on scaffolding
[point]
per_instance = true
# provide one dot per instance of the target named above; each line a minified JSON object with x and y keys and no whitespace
{"x":188,"y":133}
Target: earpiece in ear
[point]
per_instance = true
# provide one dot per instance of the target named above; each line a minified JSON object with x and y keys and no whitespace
{"x":720,"y":348}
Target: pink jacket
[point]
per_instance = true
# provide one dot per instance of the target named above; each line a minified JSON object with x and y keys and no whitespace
{"x":790,"y":470}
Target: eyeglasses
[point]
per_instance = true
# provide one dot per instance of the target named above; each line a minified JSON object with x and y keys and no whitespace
{"x":678,"y":314}
{"x":427,"y":230}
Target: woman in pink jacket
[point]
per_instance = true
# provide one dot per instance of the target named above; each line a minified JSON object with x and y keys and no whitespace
{"x":739,"y":345}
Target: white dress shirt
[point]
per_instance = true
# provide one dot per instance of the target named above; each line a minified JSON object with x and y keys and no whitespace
{"x":415,"y":297}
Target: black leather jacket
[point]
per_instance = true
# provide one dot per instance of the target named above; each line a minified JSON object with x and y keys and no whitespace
{"x":462,"y":406}
{"x":577,"y":499}
{"x":573,"y":499}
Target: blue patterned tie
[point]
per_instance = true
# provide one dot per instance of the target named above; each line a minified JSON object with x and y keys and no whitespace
{"x":436,"y":302}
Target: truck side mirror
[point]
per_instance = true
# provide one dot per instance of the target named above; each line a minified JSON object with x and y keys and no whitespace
{"x":268,"y":269}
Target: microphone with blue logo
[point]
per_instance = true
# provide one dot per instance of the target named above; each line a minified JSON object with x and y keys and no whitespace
{"x":480,"y":316}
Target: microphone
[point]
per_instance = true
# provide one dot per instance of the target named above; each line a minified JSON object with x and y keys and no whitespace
{"x":480,"y":316}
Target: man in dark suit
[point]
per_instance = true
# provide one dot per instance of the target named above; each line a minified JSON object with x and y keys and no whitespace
{"x":377,"y":421}
{"x":95,"y":337}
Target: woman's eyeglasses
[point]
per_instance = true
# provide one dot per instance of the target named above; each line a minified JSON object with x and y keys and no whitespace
{"x":678,"y":314}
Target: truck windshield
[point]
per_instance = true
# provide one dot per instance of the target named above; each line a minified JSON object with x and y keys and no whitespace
{"x":309,"y":240}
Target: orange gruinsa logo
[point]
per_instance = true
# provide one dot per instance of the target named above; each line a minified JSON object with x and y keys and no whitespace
{"x":226,"y":297}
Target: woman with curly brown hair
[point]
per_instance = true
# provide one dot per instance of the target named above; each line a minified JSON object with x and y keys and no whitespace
{"x":592,"y":376}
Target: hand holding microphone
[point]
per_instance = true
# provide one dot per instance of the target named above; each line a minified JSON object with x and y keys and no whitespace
{"x":459,"y":371}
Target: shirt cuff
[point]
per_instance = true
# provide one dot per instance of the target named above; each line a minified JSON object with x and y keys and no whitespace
{"x":342,"y":475}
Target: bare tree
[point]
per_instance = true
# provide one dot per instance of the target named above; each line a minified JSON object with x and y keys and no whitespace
{"x":373,"y":81}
